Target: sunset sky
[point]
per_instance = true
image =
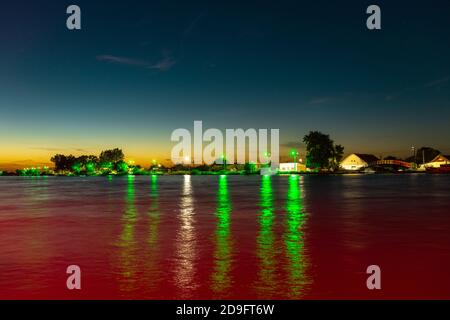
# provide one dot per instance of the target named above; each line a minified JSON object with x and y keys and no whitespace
{"x":140,"y":69}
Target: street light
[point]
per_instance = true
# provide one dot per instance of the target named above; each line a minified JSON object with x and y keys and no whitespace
{"x":413,"y":149}
{"x":267,"y":155}
{"x":224,"y":162}
{"x":294,"y":154}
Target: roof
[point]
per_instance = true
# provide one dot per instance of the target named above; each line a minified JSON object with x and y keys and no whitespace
{"x":436,"y":159}
{"x":368,"y":158}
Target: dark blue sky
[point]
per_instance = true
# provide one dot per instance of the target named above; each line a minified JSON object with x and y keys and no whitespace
{"x":139,"y":69}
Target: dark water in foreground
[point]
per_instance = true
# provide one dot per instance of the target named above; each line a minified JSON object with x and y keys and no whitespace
{"x":185,"y":237}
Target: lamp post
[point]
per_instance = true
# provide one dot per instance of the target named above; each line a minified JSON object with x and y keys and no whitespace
{"x":267,"y":155}
{"x":224,"y":161}
{"x":294,"y":154}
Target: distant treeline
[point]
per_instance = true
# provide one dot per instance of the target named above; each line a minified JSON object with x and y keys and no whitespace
{"x":108,"y":160}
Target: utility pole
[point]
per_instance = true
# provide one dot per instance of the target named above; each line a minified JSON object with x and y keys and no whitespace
{"x":413,"y":149}
{"x":294,"y":154}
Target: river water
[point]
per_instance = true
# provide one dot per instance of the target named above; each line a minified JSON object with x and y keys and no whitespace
{"x":225,"y":237}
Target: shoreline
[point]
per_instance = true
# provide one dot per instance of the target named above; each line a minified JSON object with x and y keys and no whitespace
{"x":224,"y":174}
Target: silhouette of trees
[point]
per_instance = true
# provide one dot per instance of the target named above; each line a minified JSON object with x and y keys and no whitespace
{"x":113,"y":155}
{"x":321,"y":153}
{"x":424,"y":153}
{"x":89,"y":164}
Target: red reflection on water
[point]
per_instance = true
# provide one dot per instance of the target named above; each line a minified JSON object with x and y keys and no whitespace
{"x":225,"y":237}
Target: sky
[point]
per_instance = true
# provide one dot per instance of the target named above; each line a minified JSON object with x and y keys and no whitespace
{"x":137,"y":70}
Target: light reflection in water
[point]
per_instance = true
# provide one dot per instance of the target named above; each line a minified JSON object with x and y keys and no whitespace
{"x":186,"y":242}
{"x":36,"y":245}
{"x":127,"y":243}
{"x":154,"y":278}
{"x":266,"y":285}
{"x":153,"y":213}
{"x":294,"y":239}
{"x":221,"y":280}
{"x":37,"y":189}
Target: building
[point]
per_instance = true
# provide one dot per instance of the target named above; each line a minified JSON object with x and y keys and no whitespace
{"x":357,"y":161}
{"x":291,"y":167}
{"x":437,"y":161}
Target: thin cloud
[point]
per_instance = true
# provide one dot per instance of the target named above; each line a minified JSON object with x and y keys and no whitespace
{"x":164,"y":64}
{"x":437,"y":82}
{"x":122,"y":60}
{"x":59,"y":149}
{"x":193,"y":23}
{"x":432,"y":84}
{"x":318,"y":101}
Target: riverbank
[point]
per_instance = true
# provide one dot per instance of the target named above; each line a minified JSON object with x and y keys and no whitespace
{"x":219,"y":173}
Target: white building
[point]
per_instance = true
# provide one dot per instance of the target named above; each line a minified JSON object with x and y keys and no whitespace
{"x":291,"y":167}
{"x":437,"y":161}
{"x":357,"y":161}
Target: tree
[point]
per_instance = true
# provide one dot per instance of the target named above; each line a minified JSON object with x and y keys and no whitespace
{"x":424,"y":153}
{"x":321,"y":153}
{"x":249,"y":168}
{"x":319,"y":150}
{"x":113,"y":156}
{"x":338,"y":153}
{"x":63,"y":162}
{"x":60,"y":162}
{"x":122,"y":167}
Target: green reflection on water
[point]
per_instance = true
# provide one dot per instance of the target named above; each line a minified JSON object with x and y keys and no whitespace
{"x":294,"y":239}
{"x":153,"y":212}
{"x":153,"y":272}
{"x":265,"y":240}
{"x":129,"y":216}
{"x":38,"y":190}
{"x":126,"y":242}
{"x":222,"y":254}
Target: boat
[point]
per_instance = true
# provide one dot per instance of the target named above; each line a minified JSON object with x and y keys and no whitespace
{"x":443,"y":168}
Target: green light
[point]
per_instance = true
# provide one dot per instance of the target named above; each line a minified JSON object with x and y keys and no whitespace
{"x":265,"y":252}
{"x":127,"y":244}
{"x":293,"y":238}
{"x":222,"y":253}
{"x":122,"y":167}
{"x":90,"y":167}
{"x":153,"y":214}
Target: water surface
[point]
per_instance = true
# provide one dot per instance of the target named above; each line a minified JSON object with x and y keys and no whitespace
{"x":225,"y":237}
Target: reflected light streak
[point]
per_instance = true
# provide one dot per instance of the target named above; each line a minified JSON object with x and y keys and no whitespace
{"x":294,"y":239}
{"x":221,"y":280}
{"x":186,"y":241}
{"x":266,"y":285}
{"x":127,"y":243}
{"x":154,"y":278}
